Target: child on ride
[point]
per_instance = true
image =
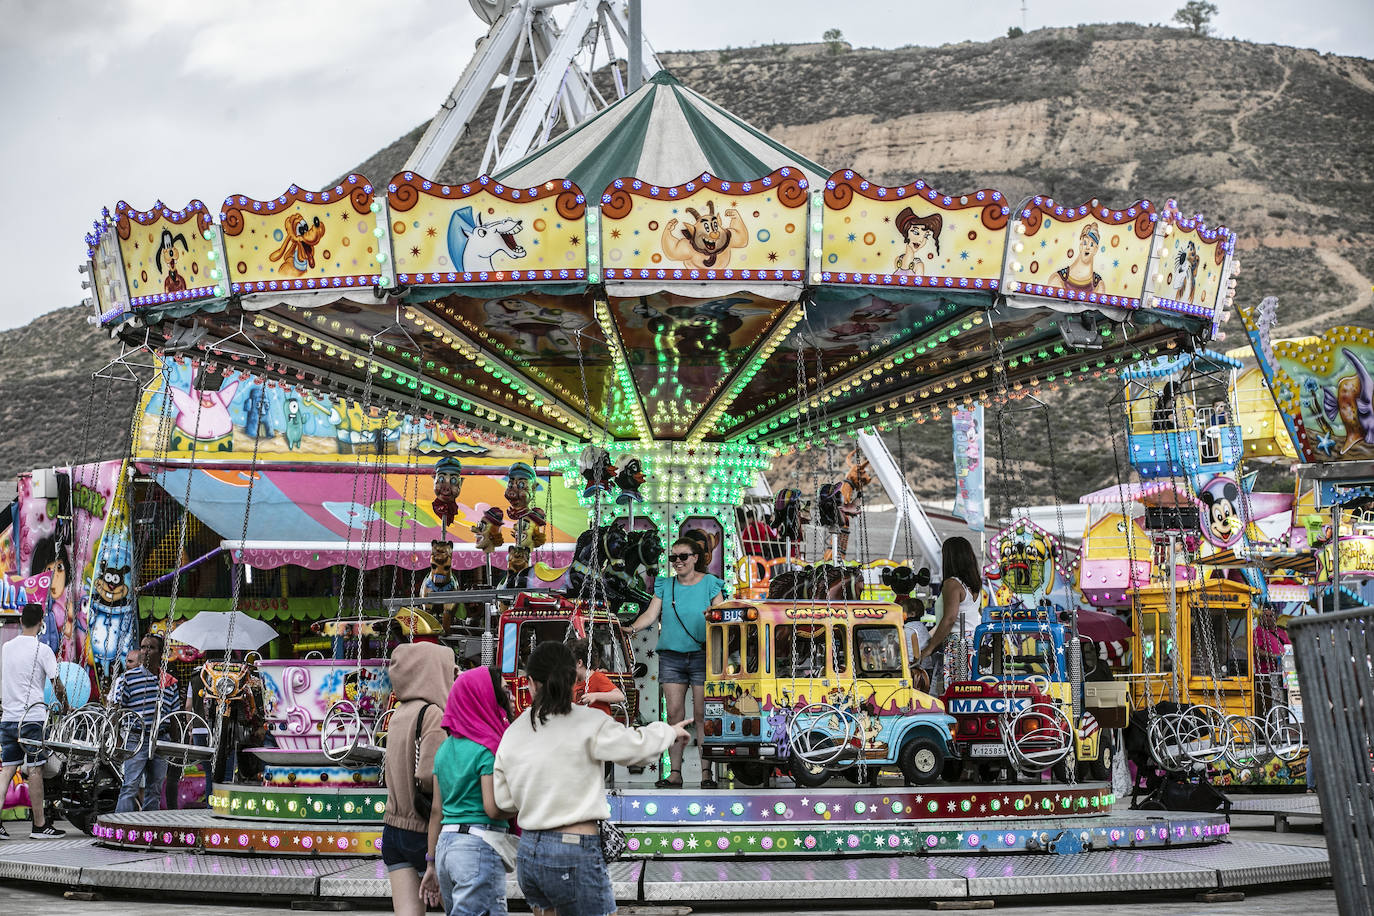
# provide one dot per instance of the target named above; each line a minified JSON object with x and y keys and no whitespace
{"x":465,"y":869}
{"x":592,"y":687}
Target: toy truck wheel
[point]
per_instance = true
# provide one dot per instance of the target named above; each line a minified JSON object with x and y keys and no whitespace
{"x":810,"y":775}
{"x":1099,"y":770}
{"x":751,"y":774}
{"x":921,"y":760}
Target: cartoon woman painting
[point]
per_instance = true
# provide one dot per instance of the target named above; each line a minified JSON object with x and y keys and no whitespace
{"x":59,"y":621}
{"x":919,"y":235}
{"x":1079,"y":276}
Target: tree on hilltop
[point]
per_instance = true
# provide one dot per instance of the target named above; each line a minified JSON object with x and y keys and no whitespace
{"x":1197,"y":15}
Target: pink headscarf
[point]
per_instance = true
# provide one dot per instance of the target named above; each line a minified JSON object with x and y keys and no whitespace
{"x":472,"y":712}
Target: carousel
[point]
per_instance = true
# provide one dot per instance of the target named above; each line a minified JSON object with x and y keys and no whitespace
{"x":530,"y":382}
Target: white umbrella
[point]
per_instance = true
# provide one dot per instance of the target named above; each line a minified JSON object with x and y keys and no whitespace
{"x":209,"y":630}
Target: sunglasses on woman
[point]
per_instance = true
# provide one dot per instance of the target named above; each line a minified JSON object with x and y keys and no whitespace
{"x":680,"y":557}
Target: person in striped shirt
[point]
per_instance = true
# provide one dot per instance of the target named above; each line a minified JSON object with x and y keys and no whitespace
{"x":152,"y":693}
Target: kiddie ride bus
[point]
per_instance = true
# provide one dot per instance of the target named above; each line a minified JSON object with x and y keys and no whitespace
{"x":1016,"y":709}
{"x":816,"y":689}
{"x":534,"y":618}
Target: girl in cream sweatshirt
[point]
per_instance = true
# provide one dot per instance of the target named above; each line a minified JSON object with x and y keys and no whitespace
{"x":549,"y":769}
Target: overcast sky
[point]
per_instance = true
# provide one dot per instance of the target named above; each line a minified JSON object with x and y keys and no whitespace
{"x":144,"y":100}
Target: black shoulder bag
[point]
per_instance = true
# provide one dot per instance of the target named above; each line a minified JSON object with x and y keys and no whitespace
{"x":424,"y":794}
{"x":672,"y":591}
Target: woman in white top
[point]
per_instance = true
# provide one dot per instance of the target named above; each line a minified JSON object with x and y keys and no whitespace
{"x":549,"y":769}
{"x":960,"y":596}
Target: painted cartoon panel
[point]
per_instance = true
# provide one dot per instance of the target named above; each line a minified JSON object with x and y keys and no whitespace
{"x":61,"y":534}
{"x":1188,"y":273}
{"x":108,"y":282}
{"x":706,"y":229}
{"x":1086,"y":253}
{"x":284,"y":423}
{"x":1025,"y":562}
{"x":301,"y":512}
{"x":911,"y":235}
{"x":483,"y":232}
{"x":1326,"y":387}
{"x":681,"y":350}
{"x":555,"y":339}
{"x":303,"y":240}
{"x":164,"y":253}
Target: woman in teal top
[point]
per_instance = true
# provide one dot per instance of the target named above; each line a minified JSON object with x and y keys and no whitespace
{"x":465,"y":870}
{"x":679,"y":604}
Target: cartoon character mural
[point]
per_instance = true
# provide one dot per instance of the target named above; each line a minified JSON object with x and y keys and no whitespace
{"x":172,"y":280}
{"x":533,"y":325}
{"x":52,"y":556}
{"x":1351,"y":404}
{"x":113,"y":617}
{"x":202,"y":422}
{"x":1222,"y":520}
{"x":1186,"y":263}
{"x":295,"y":424}
{"x":474,"y":244}
{"x":1025,"y":561}
{"x":521,"y":482}
{"x":1080,"y":276}
{"x":60,"y":538}
{"x":705,"y":241}
{"x":448,"y":483}
{"x":298,"y":238}
{"x":920,"y":237}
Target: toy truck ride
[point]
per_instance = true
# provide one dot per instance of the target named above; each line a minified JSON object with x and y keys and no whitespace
{"x":817,"y":688}
{"x":535,"y":618}
{"x":1016,"y":709}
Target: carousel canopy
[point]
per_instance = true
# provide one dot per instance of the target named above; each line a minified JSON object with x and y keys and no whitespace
{"x":664,"y":272}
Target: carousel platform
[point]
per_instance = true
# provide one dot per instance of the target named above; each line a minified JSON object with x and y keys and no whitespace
{"x":1282,"y":808}
{"x":83,"y":865}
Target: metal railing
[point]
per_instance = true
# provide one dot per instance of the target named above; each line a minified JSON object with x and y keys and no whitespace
{"x":1335,"y":663}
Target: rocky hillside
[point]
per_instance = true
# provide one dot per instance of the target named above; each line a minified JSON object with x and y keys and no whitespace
{"x":1272,"y":141}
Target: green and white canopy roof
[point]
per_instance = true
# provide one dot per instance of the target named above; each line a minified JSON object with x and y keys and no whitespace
{"x":662,"y":133}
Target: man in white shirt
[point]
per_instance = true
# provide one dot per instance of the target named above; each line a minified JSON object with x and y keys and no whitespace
{"x":26,"y":666}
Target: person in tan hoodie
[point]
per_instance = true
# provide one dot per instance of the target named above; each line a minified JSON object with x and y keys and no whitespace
{"x":421,"y":677}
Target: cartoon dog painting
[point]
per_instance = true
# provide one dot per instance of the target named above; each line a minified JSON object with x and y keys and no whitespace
{"x":473,"y":243}
{"x":297,"y":250}
{"x":172,"y":280}
{"x":705,"y":242}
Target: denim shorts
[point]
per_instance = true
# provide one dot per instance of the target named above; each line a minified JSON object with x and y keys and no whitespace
{"x":12,"y":753}
{"x":682,"y":667}
{"x":404,"y":848}
{"x":472,"y":878}
{"x":565,"y":872}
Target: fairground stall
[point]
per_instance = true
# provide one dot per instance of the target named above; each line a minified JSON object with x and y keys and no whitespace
{"x":648,"y":311}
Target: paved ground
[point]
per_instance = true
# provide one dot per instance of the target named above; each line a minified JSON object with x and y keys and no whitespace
{"x":1307,"y":900}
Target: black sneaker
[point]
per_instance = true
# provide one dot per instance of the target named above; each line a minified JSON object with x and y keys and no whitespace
{"x":4,"y":834}
{"x":49,"y":832}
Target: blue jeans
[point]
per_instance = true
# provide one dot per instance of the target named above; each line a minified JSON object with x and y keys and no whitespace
{"x":682,"y":667}
{"x":565,"y":872}
{"x":472,"y":879}
{"x":145,"y":770}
